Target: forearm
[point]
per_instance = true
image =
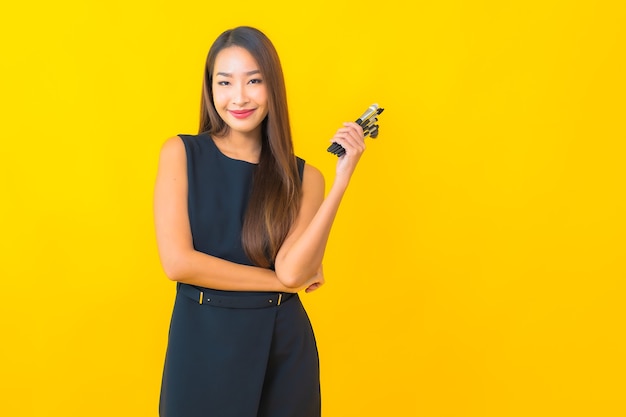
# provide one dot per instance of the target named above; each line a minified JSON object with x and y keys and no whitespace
{"x":304,"y":257}
{"x":301,"y":254}
{"x":179,"y":259}
{"x":197,"y":268}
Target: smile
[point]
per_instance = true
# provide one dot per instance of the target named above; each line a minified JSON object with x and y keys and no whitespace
{"x":241,"y":114}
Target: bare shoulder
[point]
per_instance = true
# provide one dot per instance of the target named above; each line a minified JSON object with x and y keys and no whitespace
{"x":172,"y":158}
{"x":313,"y":179}
{"x":172,"y":147}
{"x":312,"y":174}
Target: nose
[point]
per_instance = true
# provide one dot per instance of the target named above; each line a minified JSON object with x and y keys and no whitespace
{"x":240,"y":96}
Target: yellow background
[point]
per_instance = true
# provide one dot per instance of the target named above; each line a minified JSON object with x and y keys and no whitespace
{"x":477,"y":264}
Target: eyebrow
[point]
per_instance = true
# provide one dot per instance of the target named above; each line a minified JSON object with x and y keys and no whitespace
{"x":227,"y":74}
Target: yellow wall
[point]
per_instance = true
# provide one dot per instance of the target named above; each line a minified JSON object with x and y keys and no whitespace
{"x":476,"y":267}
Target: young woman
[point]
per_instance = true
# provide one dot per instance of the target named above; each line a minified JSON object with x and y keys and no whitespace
{"x":242,"y":225}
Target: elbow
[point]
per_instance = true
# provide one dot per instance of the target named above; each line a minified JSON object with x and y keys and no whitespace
{"x":293,"y":278}
{"x":172,"y":274}
{"x":173,"y":267}
{"x":286,"y":273}
{"x":286,"y":276}
{"x":289,"y":281}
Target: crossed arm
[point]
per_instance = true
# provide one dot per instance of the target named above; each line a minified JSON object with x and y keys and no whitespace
{"x":298,"y":263}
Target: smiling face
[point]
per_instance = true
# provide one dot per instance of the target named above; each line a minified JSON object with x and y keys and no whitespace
{"x":239,"y":91}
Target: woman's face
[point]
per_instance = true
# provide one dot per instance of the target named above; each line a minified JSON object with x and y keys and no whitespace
{"x":239,"y":90}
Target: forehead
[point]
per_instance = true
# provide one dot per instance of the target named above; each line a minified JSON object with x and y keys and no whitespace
{"x":235,"y":59}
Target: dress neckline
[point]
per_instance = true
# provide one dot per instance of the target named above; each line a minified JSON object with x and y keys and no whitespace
{"x":219,"y":151}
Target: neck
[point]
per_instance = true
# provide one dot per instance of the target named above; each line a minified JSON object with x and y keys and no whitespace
{"x":244,"y":146}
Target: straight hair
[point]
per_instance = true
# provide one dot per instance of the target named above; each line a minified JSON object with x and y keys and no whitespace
{"x":276,"y":193}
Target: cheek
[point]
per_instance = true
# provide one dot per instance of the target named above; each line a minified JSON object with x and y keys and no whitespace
{"x":260,"y":96}
{"x":221,"y":97}
{"x":218,"y":98}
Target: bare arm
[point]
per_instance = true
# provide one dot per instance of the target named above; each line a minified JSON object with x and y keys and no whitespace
{"x":301,"y":254}
{"x":180,"y":261}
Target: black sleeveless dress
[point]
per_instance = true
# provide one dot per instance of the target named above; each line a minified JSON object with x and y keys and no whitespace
{"x":234,"y":354}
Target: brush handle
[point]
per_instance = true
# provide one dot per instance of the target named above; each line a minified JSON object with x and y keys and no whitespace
{"x":368,"y":121}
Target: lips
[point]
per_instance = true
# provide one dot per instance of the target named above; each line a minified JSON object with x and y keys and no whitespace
{"x":241,"y":114}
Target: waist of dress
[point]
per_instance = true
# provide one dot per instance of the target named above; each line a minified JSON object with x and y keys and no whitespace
{"x":234,"y":299}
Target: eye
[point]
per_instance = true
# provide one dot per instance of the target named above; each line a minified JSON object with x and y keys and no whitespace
{"x":255,"y":81}
{"x":223,"y":83}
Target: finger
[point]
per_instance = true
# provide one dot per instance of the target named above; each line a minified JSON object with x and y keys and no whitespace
{"x":344,"y":134}
{"x":352,"y":140}
{"x":355,"y":134}
{"x":351,"y":127}
{"x":346,"y":147}
{"x":352,"y":131}
{"x":349,"y":134}
{"x":354,"y":127}
{"x":312,"y":287}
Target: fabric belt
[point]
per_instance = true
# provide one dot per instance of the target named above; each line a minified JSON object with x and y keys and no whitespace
{"x":218,"y":299}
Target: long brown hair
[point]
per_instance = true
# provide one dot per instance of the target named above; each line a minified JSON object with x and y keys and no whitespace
{"x":276,"y":193}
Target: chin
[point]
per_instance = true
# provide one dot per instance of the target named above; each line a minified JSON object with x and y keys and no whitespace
{"x":247,"y":127}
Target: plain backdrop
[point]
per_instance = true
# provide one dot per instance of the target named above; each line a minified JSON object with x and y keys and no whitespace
{"x":476,"y":267}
